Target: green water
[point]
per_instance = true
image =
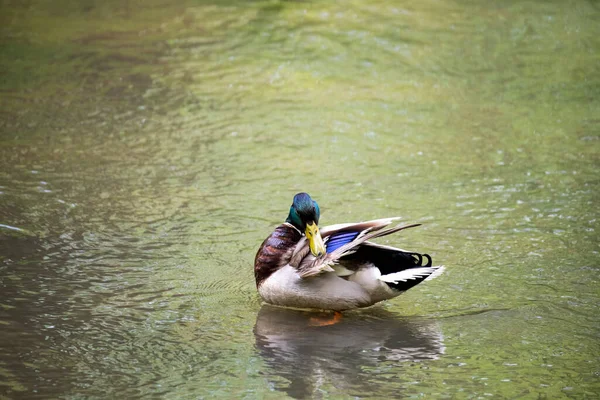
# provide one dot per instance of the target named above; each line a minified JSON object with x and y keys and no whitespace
{"x":147,"y":148}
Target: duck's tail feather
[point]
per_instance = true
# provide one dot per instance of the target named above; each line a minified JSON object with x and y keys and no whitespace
{"x":404,"y":280}
{"x":399,"y":269}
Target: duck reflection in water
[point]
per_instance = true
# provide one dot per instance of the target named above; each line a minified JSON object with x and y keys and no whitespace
{"x":312,"y":350}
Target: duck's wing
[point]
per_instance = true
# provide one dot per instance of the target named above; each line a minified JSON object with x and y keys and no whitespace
{"x":340,"y":240}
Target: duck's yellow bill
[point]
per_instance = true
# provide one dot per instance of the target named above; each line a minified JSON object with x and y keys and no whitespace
{"x":315,"y":241}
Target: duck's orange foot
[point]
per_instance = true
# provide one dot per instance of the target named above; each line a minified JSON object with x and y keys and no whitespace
{"x":325,"y":321}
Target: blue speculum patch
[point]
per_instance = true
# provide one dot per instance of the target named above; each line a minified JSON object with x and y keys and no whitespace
{"x":339,"y":239}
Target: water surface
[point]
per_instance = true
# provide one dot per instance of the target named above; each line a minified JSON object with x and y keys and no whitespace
{"x":147,"y":148}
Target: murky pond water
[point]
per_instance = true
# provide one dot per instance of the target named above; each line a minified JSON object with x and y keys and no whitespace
{"x":147,"y":148}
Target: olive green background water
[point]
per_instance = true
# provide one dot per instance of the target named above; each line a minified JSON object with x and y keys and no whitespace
{"x":148,"y":147}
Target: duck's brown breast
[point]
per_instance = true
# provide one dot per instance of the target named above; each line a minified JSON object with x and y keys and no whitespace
{"x":275,"y":252}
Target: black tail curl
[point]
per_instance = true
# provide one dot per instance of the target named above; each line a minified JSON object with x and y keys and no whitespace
{"x":420,"y":256}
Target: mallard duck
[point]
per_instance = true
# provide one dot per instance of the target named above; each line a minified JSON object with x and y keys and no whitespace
{"x":336,"y":267}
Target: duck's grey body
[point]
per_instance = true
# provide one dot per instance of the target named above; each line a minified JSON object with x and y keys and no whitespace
{"x":285,"y":287}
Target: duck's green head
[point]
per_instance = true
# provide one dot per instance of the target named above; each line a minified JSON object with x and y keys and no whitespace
{"x":304,"y":215}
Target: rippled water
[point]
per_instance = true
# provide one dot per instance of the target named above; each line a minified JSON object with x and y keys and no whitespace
{"x":147,"y":148}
